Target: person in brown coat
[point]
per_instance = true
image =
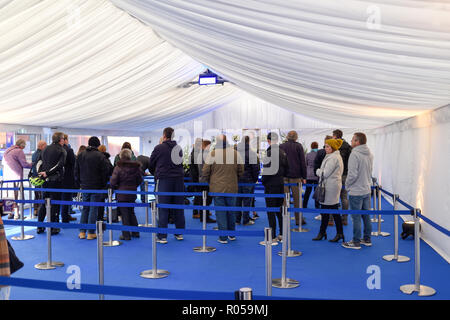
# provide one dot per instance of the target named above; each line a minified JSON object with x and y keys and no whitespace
{"x":127,"y":175}
{"x":221,"y":170}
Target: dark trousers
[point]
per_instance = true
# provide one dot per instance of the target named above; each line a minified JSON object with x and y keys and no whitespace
{"x":65,"y":215}
{"x":198,"y":201}
{"x":308,"y":193}
{"x":101,"y":210}
{"x":54,"y":215}
{"x":128,"y":219}
{"x":275,"y":202}
{"x":326,"y":217}
{"x":170,"y":185}
{"x":244,"y":202}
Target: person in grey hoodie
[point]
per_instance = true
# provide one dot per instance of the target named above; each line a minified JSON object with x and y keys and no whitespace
{"x":358,"y":185}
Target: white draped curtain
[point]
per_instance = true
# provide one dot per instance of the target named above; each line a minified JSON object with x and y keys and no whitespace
{"x":367,"y":63}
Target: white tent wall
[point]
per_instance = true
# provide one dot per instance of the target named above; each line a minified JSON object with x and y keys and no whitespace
{"x":412,"y":159}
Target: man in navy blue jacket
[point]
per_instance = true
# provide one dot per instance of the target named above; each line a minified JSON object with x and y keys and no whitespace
{"x":166,"y":164}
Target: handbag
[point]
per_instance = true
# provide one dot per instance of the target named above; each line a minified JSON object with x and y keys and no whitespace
{"x":14,"y":262}
{"x":319,"y":191}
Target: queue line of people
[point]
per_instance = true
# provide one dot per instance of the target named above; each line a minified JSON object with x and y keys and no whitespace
{"x":337,"y":165}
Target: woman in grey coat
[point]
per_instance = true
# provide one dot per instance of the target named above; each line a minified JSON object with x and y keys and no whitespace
{"x":330,"y":173}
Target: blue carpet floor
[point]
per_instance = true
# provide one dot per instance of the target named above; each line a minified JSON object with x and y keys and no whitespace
{"x":325,"y":270}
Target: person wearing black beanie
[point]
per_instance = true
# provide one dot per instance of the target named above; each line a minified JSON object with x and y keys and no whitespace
{"x":91,"y":172}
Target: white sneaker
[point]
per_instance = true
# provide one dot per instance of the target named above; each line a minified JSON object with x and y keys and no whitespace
{"x":179,"y":237}
{"x":222,"y":241}
{"x":231,"y":238}
{"x":163,"y":241}
{"x":251,"y":222}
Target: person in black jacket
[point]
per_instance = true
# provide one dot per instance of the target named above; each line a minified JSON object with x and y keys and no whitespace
{"x":166,"y":164}
{"x":52,"y":170}
{"x":194,"y":172}
{"x":274,"y":170}
{"x":91,"y":172}
{"x":297,"y":169}
{"x":345,"y":151}
{"x":110,"y":168}
{"x":250,"y":176}
{"x":68,"y":180}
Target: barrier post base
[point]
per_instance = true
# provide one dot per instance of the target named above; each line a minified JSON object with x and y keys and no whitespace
{"x":204,"y":249}
{"x":383,"y":234}
{"x":113,"y":243}
{"x":299,"y":230}
{"x":391,"y":257}
{"x":375,"y":220}
{"x":47,"y":266}
{"x":291,"y":253}
{"x":263,"y":243}
{"x":145,"y":225}
{"x":151,"y":274}
{"x":288,"y":284}
{"x":25,"y":237}
{"x":423,"y":291}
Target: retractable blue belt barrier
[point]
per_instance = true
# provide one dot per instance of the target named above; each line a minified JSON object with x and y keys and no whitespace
{"x":247,"y":195}
{"x":434,"y":225}
{"x":216,"y":208}
{"x":336,"y":211}
{"x":166,"y":294}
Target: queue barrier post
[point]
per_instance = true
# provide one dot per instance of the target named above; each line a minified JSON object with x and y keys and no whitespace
{"x":243,"y":294}
{"x":268,"y":240}
{"x":379,"y":220}
{"x":101,"y":268}
{"x":300,"y":215}
{"x":50,"y":264}
{"x":154,"y":273}
{"x":30,"y":197}
{"x":290,"y":252}
{"x":111,"y":242}
{"x":22,"y":236}
{"x":146,"y":208}
{"x":423,"y":291}
{"x":284,"y":282}
{"x":204,"y":248}
{"x":396,"y":256}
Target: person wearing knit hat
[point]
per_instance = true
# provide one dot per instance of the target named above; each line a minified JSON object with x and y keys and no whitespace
{"x":92,"y":170}
{"x":330,"y":174}
{"x":335,"y":144}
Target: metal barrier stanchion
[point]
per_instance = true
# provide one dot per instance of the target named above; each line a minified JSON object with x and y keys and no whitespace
{"x":300,"y":215}
{"x":379,"y":220}
{"x":396,"y":256}
{"x":268,"y":240}
{"x":290,"y":253}
{"x":101,"y":269}
{"x":49,"y":264}
{"x":204,"y":248}
{"x":154,"y":273}
{"x":146,"y":208}
{"x":22,"y":236}
{"x":243,"y":294}
{"x":374,"y":200}
{"x":284,"y":282}
{"x":423,"y":291}
{"x":111,"y":242}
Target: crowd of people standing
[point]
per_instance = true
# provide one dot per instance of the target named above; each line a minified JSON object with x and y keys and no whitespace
{"x":344,"y":170}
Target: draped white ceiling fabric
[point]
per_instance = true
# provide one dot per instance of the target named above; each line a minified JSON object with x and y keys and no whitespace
{"x":350,"y":62}
{"x":88,"y":64}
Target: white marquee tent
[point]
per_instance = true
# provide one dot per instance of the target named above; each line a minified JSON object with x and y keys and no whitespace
{"x":121,"y":66}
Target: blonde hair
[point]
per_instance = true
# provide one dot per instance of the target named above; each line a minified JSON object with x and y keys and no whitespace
{"x":21,"y":143}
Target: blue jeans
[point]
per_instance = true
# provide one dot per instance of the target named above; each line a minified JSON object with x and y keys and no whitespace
{"x":225,"y":219}
{"x":244,"y":202}
{"x":360,"y":203}
{"x":89,"y":214}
